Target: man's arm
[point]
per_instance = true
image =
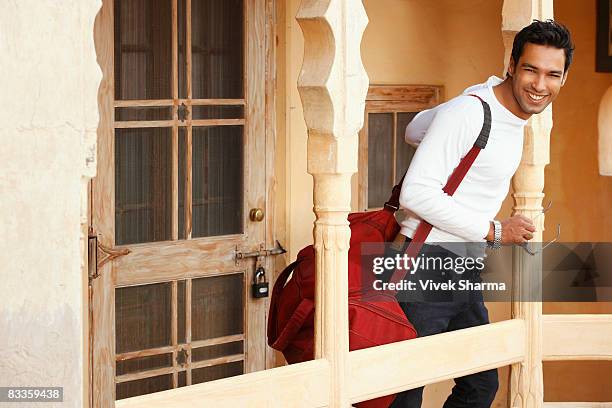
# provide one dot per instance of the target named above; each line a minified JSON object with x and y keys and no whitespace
{"x":416,"y":129}
{"x":449,"y":136}
{"x":515,"y":230}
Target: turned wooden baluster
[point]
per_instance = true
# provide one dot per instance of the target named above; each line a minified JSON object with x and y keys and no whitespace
{"x":526,"y":382}
{"x":333,"y":86}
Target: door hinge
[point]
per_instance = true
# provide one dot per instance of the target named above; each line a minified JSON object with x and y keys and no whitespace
{"x":278,"y":250}
{"x":99,"y":255}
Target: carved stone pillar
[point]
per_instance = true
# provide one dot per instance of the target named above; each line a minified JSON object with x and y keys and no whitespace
{"x":526,"y":382}
{"x":604,"y":125}
{"x":332,"y":85}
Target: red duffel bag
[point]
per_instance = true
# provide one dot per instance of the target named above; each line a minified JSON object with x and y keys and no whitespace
{"x":371,"y":322}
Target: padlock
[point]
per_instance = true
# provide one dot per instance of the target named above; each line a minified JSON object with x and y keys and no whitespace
{"x":260,"y":283}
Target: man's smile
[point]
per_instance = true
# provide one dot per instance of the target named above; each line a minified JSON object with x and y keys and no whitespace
{"x":536,"y":98}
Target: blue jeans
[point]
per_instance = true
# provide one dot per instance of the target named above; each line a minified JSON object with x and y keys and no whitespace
{"x":475,"y":390}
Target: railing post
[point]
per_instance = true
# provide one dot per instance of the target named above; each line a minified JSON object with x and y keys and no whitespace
{"x":333,"y":86}
{"x":526,"y":380}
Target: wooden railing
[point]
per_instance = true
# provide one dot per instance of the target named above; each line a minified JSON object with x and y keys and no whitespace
{"x":391,"y":368}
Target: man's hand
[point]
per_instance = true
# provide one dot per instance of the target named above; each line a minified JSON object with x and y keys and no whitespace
{"x":515,"y":230}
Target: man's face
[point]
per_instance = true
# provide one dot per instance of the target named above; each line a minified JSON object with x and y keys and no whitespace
{"x":537,"y":77}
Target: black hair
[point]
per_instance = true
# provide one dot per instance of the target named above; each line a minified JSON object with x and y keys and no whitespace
{"x":550,"y":33}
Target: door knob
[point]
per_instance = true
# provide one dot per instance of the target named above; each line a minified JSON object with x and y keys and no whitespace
{"x":256,"y":214}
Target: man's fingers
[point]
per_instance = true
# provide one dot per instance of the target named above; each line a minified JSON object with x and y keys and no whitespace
{"x":530,"y":228}
{"x":527,"y":224}
{"x":520,"y":228}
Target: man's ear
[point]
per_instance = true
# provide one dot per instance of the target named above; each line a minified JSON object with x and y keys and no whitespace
{"x":511,"y":67}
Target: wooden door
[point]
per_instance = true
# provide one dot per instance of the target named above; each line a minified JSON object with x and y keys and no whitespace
{"x":181,"y":162}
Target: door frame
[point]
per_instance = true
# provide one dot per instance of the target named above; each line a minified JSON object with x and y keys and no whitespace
{"x":102,"y":307}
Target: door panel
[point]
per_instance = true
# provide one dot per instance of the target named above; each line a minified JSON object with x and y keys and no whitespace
{"x":182,"y":136}
{"x":143,"y":317}
{"x":216,"y":372}
{"x":217,"y":180}
{"x":174,"y":260}
{"x":217,"y":45}
{"x":143,"y":185}
{"x":144,"y":386}
{"x":213,"y":297}
{"x":143,"y":49}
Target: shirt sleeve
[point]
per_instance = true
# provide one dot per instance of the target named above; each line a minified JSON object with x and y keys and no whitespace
{"x":416,"y":129}
{"x":449,"y":136}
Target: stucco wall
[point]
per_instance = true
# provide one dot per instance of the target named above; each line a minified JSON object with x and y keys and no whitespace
{"x":47,"y":123}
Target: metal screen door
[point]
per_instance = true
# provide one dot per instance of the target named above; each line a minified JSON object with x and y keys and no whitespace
{"x":180,"y":164}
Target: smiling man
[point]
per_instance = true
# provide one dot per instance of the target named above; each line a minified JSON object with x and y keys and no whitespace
{"x":535,"y":75}
{"x":541,"y":56}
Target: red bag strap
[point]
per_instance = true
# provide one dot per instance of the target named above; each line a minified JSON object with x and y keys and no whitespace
{"x":295,"y":323}
{"x":299,"y":316}
{"x":455,"y":178}
{"x":281,"y":280}
{"x":451,"y":186}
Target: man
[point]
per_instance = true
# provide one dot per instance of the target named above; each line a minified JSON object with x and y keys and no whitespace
{"x":541,"y":55}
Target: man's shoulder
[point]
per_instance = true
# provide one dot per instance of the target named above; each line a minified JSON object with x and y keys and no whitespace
{"x":464,"y":109}
{"x":464,"y":103}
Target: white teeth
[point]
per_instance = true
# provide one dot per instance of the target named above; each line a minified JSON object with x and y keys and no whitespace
{"x":535,"y":97}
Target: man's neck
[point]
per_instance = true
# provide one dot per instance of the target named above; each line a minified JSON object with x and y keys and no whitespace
{"x":504,"y":94}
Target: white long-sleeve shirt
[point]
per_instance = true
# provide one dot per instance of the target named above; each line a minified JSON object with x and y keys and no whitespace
{"x":444,"y":135}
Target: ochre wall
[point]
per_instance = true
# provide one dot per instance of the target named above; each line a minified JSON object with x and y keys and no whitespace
{"x":298,"y":188}
{"x":48,"y":122}
{"x":457,"y":44}
{"x":572,"y":174}
{"x":582,"y":199}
